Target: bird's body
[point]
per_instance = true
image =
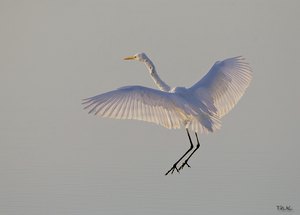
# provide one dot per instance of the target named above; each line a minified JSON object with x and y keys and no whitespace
{"x":199,"y":108}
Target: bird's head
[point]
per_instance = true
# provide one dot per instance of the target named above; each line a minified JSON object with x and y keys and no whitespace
{"x":140,"y":57}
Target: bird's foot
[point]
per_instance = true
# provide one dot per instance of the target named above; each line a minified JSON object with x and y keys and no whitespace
{"x":174,"y":167}
{"x":183,"y":164}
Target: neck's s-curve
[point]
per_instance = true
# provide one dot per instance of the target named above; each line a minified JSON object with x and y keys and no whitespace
{"x":159,"y":83}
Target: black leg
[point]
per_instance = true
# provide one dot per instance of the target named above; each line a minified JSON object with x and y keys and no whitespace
{"x":186,"y":161}
{"x":174,"y":167}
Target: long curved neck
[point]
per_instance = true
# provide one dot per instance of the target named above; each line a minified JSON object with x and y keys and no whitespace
{"x":159,"y":83}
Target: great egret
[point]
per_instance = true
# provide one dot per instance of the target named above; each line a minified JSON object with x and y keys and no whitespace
{"x":198,"y":108}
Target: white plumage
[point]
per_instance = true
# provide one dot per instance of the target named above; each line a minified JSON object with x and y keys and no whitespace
{"x":199,"y":108}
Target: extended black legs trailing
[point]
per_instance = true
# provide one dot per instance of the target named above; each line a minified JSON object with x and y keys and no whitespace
{"x":185,"y":163}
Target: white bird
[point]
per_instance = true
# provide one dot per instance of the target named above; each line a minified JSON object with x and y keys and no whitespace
{"x":198,"y":108}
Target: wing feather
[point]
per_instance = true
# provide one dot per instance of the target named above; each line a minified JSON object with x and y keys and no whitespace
{"x":137,"y":102}
{"x":224,"y":84}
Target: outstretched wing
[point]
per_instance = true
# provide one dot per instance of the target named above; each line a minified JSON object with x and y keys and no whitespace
{"x":137,"y":102}
{"x":224,"y":84}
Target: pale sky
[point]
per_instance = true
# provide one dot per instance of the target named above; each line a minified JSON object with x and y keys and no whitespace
{"x":57,"y":159}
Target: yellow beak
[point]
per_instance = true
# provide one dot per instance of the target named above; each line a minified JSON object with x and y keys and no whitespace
{"x":130,"y":58}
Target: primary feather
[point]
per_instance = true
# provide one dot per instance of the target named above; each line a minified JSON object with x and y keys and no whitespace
{"x":224,"y":84}
{"x":137,"y":102}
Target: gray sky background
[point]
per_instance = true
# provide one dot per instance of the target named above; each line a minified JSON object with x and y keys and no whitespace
{"x":57,"y":159}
